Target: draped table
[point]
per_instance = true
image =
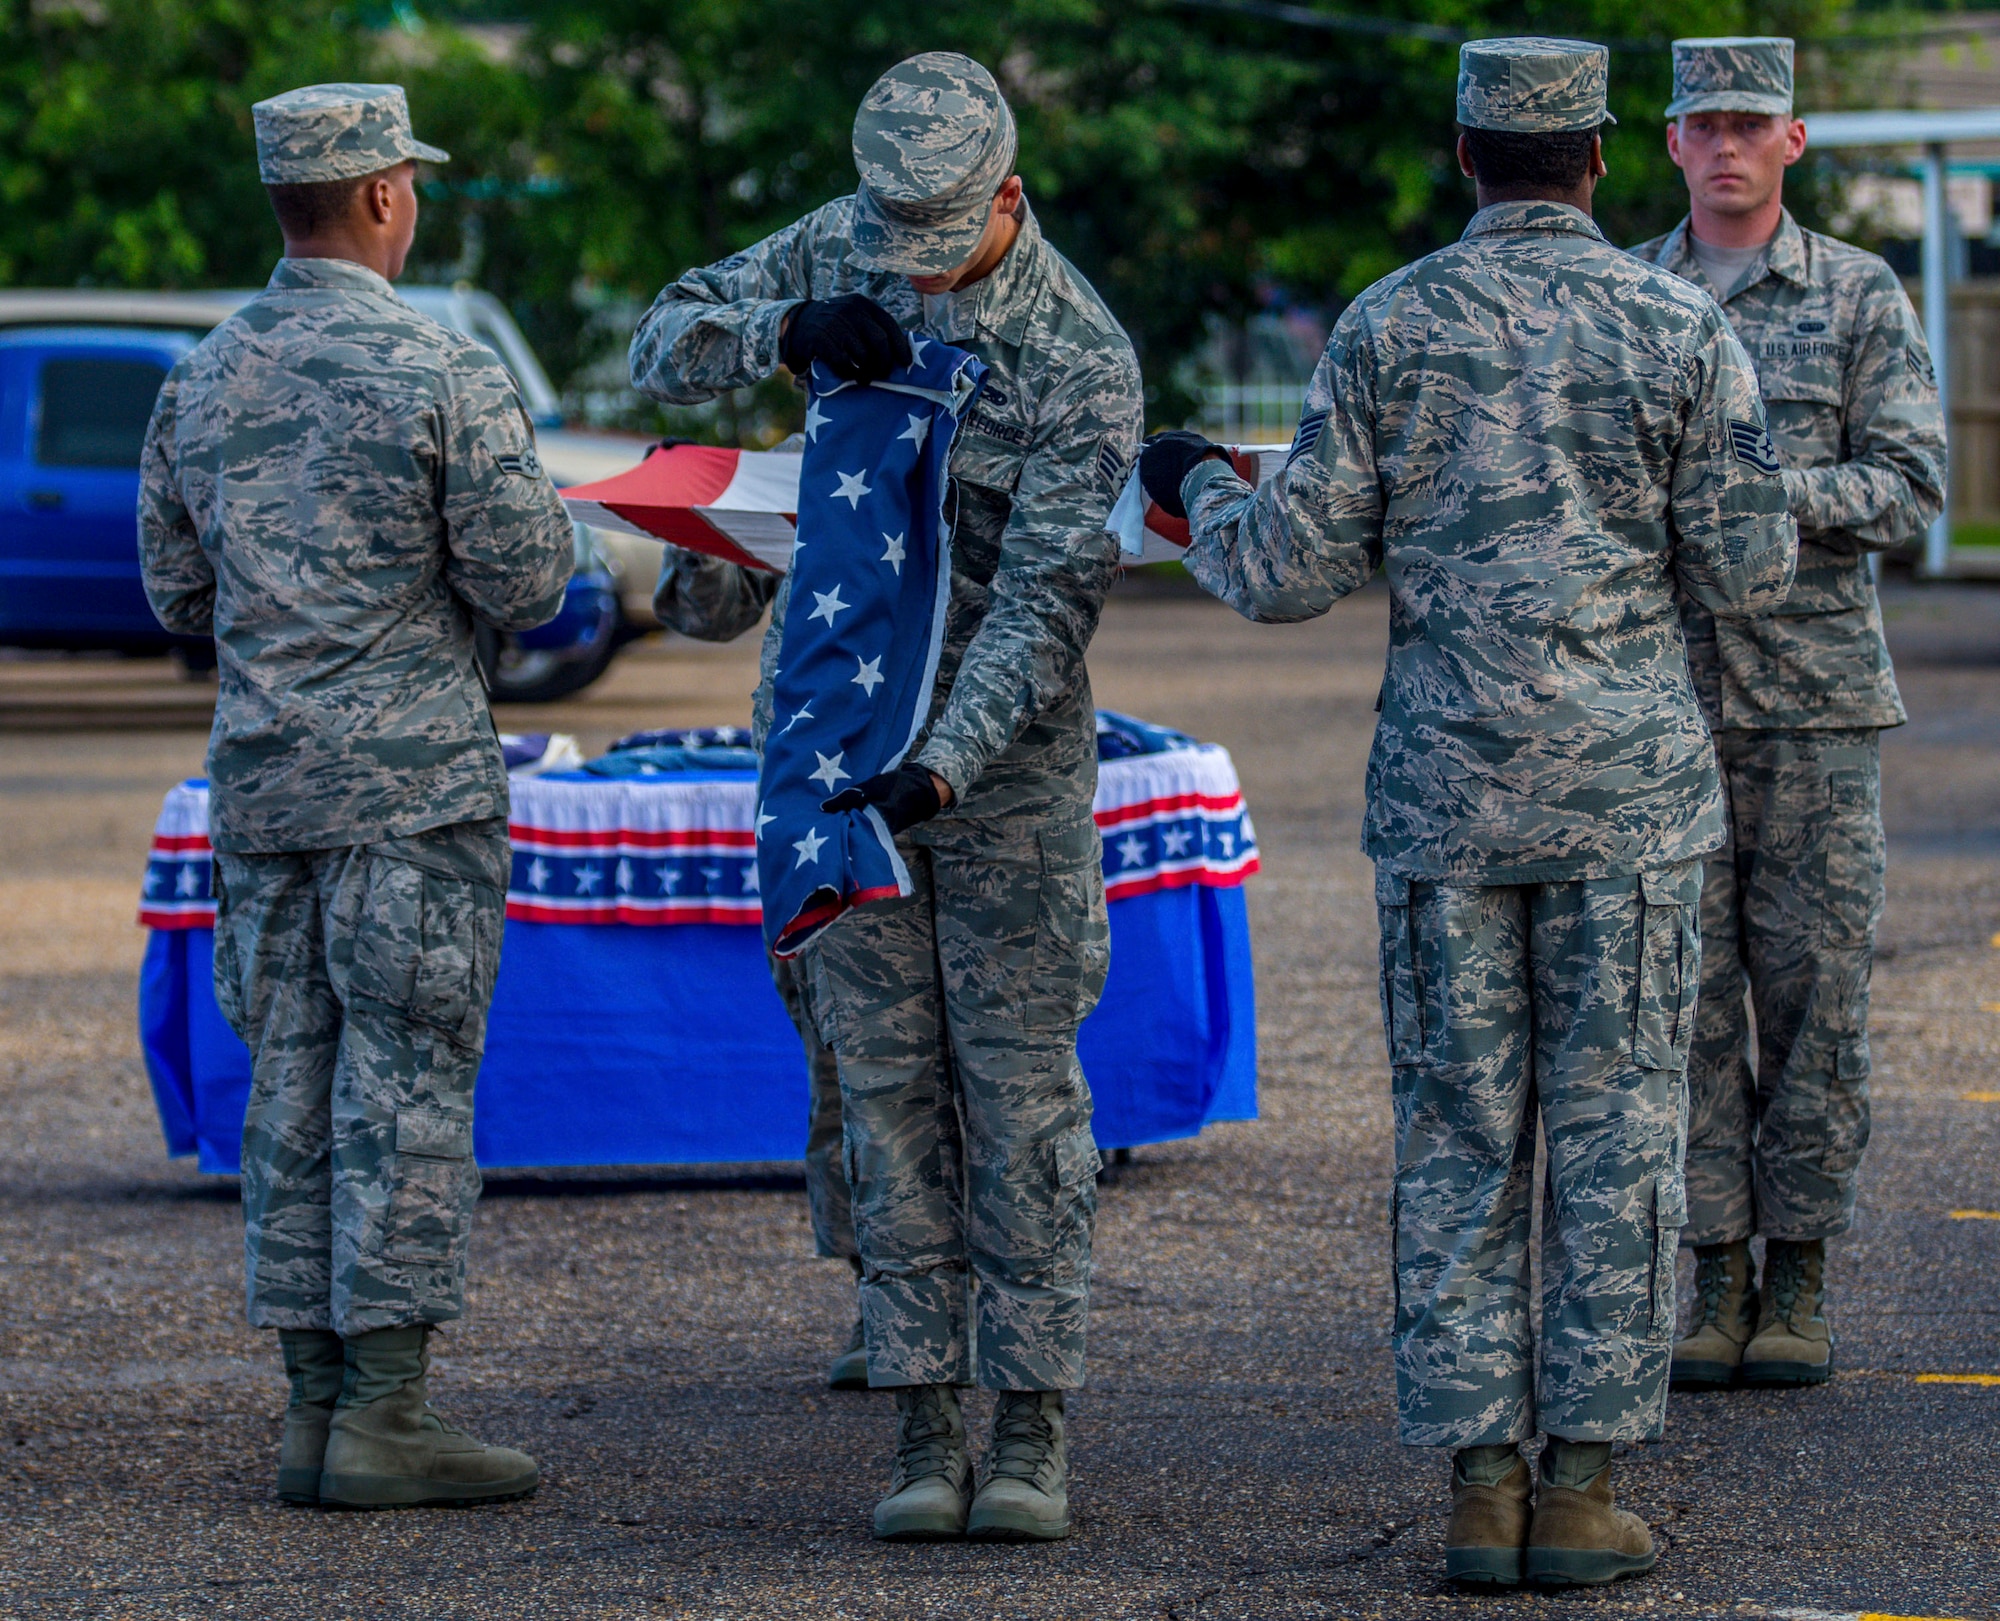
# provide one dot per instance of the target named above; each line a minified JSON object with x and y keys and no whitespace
{"x":634,"y":1021}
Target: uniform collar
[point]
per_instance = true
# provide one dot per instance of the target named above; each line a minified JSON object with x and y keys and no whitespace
{"x":300,"y":273}
{"x":1533,"y":214}
{"x":1785,"y":258}
{"x":999,"y":305}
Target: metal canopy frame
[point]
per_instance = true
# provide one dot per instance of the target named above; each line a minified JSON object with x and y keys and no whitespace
{"x":1933,"y":132}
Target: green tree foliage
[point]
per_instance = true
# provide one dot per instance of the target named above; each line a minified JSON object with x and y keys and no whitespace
{"x":1188,"y":157}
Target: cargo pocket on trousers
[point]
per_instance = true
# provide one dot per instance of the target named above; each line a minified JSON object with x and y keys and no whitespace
{"x":1663,"y":1018}
{"x":1076,"y":1164}
{"x":226,"y":959}
{"x":1072,"y":930}
{"x":1402,"y":1012}
{"x":428,"y":947}
{"x":1669,"y":1217}
{"x":1852,"y":861}
{"x":1847,"y":1105}
{"x":436,"y":1184}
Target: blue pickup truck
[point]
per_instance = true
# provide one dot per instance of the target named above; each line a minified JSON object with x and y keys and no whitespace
{"x":78,"y":375}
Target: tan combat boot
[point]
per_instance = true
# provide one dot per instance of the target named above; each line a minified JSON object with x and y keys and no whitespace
{"x":1794,"y":1343}
{"x":1026,"y":1494}
{"x":387,"y":1449}
{"x":1579,"y":1538}
{"x":316,"y":1364}
{"x":1492,"y":1502}
{"x":1725,"y":1316}
{"x":933,"y":1479}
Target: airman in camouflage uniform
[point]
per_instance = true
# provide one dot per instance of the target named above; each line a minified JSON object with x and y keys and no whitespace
{"x":953,"y":1012}
{"x":337,"y":489}
{"x":1790,"y":904}
{"x":1539,"y":439}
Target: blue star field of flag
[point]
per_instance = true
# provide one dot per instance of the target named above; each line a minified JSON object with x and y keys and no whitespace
{"x":870,"y":582}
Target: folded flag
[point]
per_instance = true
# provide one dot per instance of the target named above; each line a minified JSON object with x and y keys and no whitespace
{"x":871,"y":579}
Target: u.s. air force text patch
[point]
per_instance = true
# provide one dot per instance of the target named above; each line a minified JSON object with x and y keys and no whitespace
{"x":1752,"y":444}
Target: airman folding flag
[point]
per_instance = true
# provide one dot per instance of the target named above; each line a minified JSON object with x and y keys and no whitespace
{"x":871,"y":579}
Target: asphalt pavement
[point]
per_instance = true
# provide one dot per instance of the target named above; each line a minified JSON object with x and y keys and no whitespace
{"x":657,"y":1338}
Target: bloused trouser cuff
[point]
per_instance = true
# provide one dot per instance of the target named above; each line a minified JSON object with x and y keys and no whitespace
{"x":953,"y":1015}
{"x":1788,"y":913}
{"x":1574,"y":1001}
{"x":360,"y":979}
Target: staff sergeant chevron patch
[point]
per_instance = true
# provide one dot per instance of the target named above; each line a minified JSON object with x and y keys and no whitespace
{"x":1752,"y":444}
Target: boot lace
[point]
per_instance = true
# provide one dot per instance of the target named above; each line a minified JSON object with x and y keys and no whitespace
{"x":1787,"y":1272}
{"x":928,"y":1440}
{"x":1023,"y":1438}
{"x":1711,"y":1282}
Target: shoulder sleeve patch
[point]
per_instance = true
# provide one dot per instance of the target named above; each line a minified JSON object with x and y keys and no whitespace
{"x":525,"y":465}
{"x":1752,"y":445}
{"x":1110,"y":462}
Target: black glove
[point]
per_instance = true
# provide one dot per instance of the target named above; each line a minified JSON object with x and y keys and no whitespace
{"x":1165,"y":460}
{"x":906,"y":796}
{"x":852,"y":336}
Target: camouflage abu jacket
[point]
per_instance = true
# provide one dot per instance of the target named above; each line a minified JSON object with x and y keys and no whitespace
{"x":1539,"y":438}
{"x":1853,"y":407}
{"x":335,"y":487}
{"x":1038,"y":462}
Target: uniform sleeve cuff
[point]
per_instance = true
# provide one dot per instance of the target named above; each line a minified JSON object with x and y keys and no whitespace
{"x":944,"y":764}
{"x":1204,"y":473}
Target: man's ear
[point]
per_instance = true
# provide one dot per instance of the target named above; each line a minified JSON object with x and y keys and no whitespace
{"x":380,"y":199}
{"x":1795,"y":141}
{"x":1465,"y":159}
{"x":1598,"y":169}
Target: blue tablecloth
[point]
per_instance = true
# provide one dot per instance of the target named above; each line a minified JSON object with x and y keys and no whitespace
{"x":610,"y":1046}
{"x":616,"y":1044}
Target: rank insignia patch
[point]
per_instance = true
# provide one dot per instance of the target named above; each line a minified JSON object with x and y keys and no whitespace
{"x":1752,"y":445}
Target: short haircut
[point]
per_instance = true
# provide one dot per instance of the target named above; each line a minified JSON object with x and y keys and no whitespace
{"x":1506,"y":160}
{"x":306,"y":209}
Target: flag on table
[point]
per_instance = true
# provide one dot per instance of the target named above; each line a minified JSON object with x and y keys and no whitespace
{"x":871,"y":579}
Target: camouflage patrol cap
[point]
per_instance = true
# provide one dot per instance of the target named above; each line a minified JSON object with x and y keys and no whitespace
{"x":335,"y":132}
{"x":933,"y":142}
{"x":1734,"y":75}
{"x":1533,"y":86}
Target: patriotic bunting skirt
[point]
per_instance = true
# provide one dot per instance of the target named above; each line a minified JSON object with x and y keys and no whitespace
{"x":618,"y":1040}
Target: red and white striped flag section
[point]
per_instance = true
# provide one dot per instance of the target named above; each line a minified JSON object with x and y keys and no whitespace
{"x":742,"y":505}
{"x":739,"y":505}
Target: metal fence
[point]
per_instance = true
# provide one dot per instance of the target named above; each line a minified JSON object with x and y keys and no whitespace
{"x":1251,"y":413}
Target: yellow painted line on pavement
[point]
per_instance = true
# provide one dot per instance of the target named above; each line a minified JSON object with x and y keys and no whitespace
{"x":1989,"y":1007}
{"x":1880,"y":1615}
{"x":1981,"y":1097}
{"x":1975,"y":1215}
{"x":1996,"y":942}
{"x":1958,"y":1379}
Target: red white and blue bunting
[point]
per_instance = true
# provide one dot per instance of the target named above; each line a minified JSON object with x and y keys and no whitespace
{"x":655,"y":850}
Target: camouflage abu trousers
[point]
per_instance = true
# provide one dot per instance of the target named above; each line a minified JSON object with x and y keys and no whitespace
{"x":1574,"y":1000}
{"x":1788,"y":912}
{"x":952,"y":1015}
{"x":827,"y":1198}
{"x":360,"y":979}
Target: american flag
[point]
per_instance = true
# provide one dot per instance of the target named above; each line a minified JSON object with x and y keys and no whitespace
{"x":871,"y":579}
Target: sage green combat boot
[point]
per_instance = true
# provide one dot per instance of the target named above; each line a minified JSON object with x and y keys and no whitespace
{"x":1492,"y":1501}
{"x":1026,"y":1494}
{"x":1794,"y":1342}
{"x":1725,"y":1317}
{"x":387,"y":1449}
{"x":850,"y":1368}
{"x":1578,"y":1537}
{"x":316,"y":1364}
{"x":933,"y":1477}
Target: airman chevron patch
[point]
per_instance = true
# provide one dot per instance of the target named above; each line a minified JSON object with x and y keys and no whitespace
{"x":1752,"y":444}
